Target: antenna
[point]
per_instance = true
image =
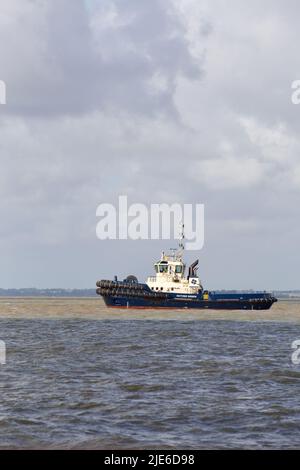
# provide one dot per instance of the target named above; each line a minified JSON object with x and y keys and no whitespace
{"x":181,"y":240}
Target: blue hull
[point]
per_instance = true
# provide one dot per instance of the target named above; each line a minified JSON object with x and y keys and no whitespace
{"x":123,"y":302}
{"x":124,"y":295}
{"x":120,"y":295}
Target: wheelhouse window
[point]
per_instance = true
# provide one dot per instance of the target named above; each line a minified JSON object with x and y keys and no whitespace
{"x":178,"y":269}
{"x":163,"y":268}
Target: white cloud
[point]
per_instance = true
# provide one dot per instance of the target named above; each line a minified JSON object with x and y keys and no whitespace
{"x":227,"y":173}
{"x":272,"y":143}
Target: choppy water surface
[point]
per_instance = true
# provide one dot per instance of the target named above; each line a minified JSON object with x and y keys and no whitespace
{"x":79,"y":376}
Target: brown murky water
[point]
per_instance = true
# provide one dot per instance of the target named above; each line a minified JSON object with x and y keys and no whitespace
{"x":94,"y":308}
{"x":78,"y":375}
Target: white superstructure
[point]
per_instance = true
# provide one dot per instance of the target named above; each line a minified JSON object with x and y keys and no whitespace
{"x":170,"y":271}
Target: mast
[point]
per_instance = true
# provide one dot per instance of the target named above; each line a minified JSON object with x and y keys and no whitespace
{"x":181,"y":241}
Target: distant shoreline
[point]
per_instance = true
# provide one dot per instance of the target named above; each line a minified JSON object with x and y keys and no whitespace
{"x":91,"y":297}
{"x":47,"y":293}
{"x":90,"y":293}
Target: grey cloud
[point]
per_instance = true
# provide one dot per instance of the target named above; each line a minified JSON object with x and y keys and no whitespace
{"x":63,"y":60}
{"x":114,"y":100}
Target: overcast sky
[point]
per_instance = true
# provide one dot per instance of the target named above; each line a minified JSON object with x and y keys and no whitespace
{"x":164,"y":101}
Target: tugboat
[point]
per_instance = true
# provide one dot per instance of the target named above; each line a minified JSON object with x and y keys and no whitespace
{"x":169,"y":288}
